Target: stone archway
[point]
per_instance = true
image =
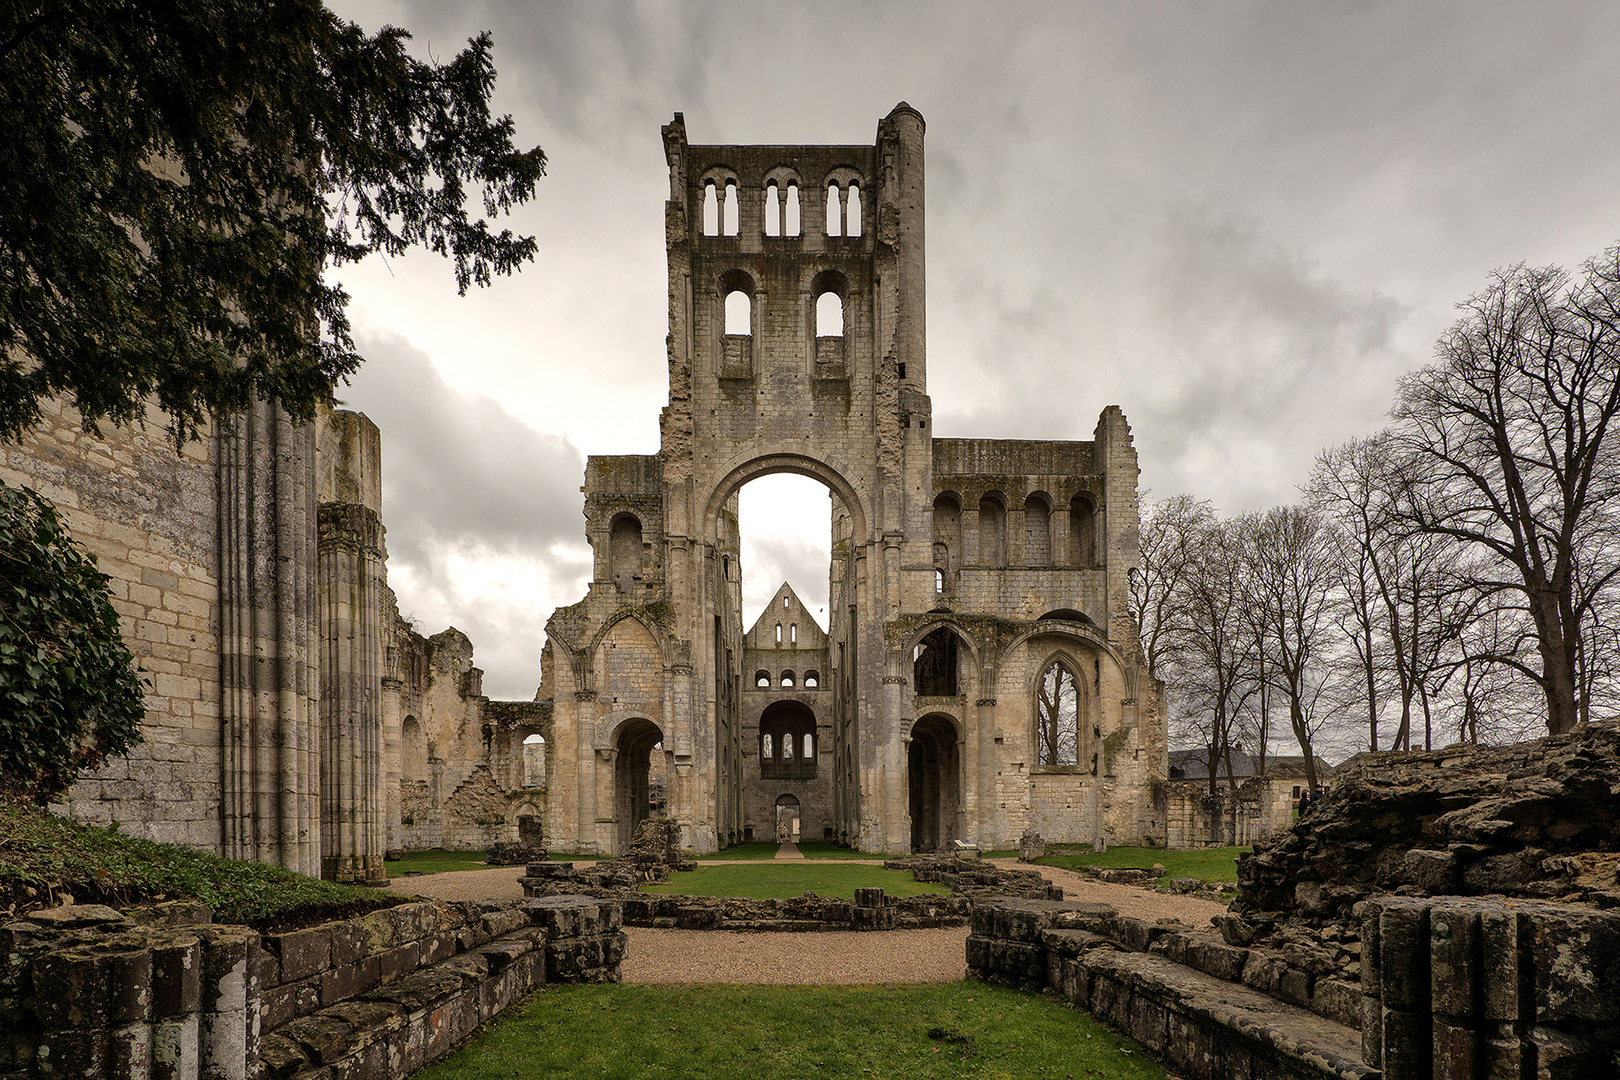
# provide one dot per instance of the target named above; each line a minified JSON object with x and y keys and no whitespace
{"x":934,"y":783}
{"x":787,"y":820}
{"x":634,"y":793}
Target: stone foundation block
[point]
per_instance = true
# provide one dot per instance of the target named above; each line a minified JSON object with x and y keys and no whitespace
{"x":301,"y":953}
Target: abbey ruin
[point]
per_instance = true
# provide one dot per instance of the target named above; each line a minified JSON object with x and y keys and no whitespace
{"x":980,"y":676}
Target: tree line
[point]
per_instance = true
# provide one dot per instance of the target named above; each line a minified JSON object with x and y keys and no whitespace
{"x":1450,"y":578}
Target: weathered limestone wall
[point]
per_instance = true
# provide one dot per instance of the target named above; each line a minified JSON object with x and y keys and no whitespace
{"x":150,"y":516}
{"x":163,"y":993}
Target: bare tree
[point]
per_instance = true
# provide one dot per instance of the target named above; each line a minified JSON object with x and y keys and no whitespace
{"x":1510,"y":452}
{"x":1209,"y":654}
{"x":1169,"y":540}
{"x":1293,"y":591}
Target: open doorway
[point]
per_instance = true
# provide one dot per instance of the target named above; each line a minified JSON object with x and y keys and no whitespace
{"x":787,"y":820}
{"x":934,"y":778}
{"x":638,"y":783}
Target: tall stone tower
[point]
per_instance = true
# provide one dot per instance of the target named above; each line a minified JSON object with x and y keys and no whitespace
{"x":797,"y":344}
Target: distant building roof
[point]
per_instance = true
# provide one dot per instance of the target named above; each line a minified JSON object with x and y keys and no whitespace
{"x":1194,"y":765}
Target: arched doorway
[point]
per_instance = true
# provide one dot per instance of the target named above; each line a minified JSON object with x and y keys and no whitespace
{"x":934,"y":781}
{"x":787,"y":820}
{"x":638,"y":783}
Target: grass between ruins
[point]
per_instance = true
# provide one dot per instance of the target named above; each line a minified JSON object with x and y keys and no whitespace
{"x":781,"y":880}
{"x":964,"y":1029}
{"x":43,"y":856}
{"x":1206,"y":864}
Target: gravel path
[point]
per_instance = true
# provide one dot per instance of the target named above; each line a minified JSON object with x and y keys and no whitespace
{"x":822,"y":958}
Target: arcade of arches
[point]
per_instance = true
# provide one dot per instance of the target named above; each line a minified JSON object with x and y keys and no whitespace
{"x":977,"y":674}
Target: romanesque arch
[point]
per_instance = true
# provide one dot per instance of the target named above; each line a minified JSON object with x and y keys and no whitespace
{"x":934,"y":782}
{"x":801,"y":464}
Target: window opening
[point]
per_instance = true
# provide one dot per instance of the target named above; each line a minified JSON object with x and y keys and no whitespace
{"x":829,"y":315}
{"x":812,"y":678}
{"x":808,"y":747}
{"x":791,"y":211}
{"x":787,"y":678}
{"x":773,"y":210}
{"x":711,"y":210}
{"x":835,"y":212}
{"x":1057,"y":717}
{"x":793,"y":633}
{"x":939,"y":580}
{"x":762,"y":678}
{"x":779,"y":633}
{"x":765,"y":748}
{"x":739,"y":313}
{"x":933,"y":664}
{"x":784,"y":603}
{"x":853,"y":217}
{"x":729,"y":207}
{"x":534,"y":761}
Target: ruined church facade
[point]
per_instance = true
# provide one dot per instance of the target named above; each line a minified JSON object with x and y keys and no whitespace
{"x":980,"y":675}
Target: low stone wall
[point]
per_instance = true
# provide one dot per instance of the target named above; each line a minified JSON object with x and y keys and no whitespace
{"x":1211,"y":1009}
{"x":968,"y":879}
{"x":162,"y":993}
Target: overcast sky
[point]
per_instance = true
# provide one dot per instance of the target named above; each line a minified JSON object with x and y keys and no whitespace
{"x":1241,"y":222}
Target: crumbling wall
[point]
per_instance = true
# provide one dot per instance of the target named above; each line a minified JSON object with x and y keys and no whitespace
{"x":92,"y":992}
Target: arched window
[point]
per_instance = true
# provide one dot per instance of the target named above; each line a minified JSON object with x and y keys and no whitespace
{"x":1057,"y":716}
{"x":739,"y":313}
{"x":829,"y":315}
{"x":852,"y":216}
{"x":793,"y":634}
{"x":835,"y":212}
{"x":762,"y":678}
{"x":1037,"y":532}
{"x":992,"y":532}
{"x":765,"y":750}
{"x":773,"y":210}
{"x":1082,"y":532}
{"x":779,"y":633}
{"x":933,"y":664}
{"x":792,"y":210}
{"x":787,"y":678}
{"x":711,"y":210}
{"x":789,"y":725}
{"x":729,"y":208}
{"x":534,"y":761}
{"x":939,"y":580}
{"x":624,"y":550}
{"x":809,"y":747}
{"x":812,"y":678}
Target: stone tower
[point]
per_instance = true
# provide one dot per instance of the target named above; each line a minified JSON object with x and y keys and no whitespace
{"x":797,"y":344}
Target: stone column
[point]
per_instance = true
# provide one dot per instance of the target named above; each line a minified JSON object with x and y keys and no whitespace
{"x":352,"y":581}
{"x":269,"y":805}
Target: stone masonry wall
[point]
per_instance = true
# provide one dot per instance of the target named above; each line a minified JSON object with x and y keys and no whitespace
{"x":162,"y":993}
{"x":148,"y":512}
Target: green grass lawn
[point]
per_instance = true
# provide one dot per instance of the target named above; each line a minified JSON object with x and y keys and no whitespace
{"x":1206,"y":864}
{"x":810,"y":849}
{"x":781,"y":880}
{"x":964,"y":1029}
{"x":435,"y":861}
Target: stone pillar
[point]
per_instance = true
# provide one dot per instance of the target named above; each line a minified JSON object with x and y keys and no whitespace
{"x":352,"y":581}
{"x":270,"y":755}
